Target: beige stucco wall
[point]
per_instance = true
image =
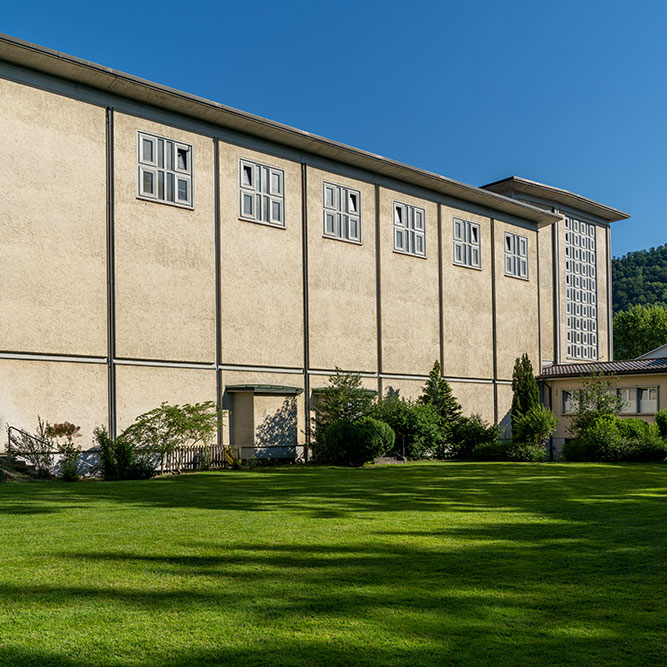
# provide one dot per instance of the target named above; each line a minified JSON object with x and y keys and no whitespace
{"x":467,"y":303}
{"x":341,"y":284}
{"x":261,"y":271}
{"x":57,"y":392}
{"x":545,"y":236}
{"x":165,"y":256}
{"x":603,"y":300}
{"x":475,"y":398}
{"x":409,"y":293}
{"x":53,"y":215}
{"x":142,"y":388}
{"x":505,"y":409}
{"x":517,"y":327}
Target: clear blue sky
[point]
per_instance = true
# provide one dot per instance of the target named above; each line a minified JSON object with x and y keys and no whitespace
{"x":568,"y":93}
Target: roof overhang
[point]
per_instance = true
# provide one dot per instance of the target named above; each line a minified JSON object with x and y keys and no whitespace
{"x":64,"y":66}
{"x":514,"y":185}
{"x":263,"y":389}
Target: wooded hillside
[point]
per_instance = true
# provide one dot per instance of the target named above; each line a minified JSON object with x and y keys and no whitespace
{"x":640,"y":277}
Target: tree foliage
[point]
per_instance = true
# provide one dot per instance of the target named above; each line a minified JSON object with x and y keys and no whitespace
{"x":640,"y":278}
{"x":596,"y":398}
{"x":439,"y":394}
{"x":343,"y":399}
{"x":524,"y":387}
{"x":639,"y":330}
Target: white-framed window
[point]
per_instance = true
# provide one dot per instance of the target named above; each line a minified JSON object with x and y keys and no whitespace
{"x":568,"y":402}
{"x":628,"y":397}
{"x":342,"y":212}
{"x":467,"y":251}
{"x":261,"y":193}
{"x":164,"y":169}
{"x":409,"y":229}
{"x":647,"y":400}
{"x":516,"y":255}
{"x":581,"y":290}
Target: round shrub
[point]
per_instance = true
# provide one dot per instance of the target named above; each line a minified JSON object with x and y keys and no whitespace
{"x":535,"y":427}
{"x":353,"y":443}
{"x":417,"y":426}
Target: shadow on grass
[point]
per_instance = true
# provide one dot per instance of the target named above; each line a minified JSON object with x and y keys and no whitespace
{"x":545,"y":564}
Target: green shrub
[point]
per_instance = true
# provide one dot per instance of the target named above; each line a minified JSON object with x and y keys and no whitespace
{"x":345,"y":399}
{"x":535,"y":426}
{"x":525,"y":393}
{"x":353,"y":443}
{"x":439,"y":394}
{"x":469,"y":433}
{"x":596,"y":398}
{"x":612,"y":439}
{"x":509,"y":450}
{"x":417,"y":426}
{"x":661,"y":421}
{"x":120,"y":460}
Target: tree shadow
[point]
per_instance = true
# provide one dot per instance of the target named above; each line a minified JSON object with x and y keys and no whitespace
{"x":277,"y":435}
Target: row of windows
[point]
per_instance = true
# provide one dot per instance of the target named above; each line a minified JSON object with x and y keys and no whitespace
{"x":581,"y":290}
{"x":635,"y":401}
{"x":165,"y":175}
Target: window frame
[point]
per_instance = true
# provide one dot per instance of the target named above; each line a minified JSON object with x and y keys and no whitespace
{"x":153,"y":167}
{"x":255,"y":190}
{"x":338,"y":211}
{"x":408,"y":228}
{"x":467,"y":246}
{"x":515,"y":255}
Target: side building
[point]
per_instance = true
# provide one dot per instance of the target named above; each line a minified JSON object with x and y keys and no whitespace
{"x":160,"y":247}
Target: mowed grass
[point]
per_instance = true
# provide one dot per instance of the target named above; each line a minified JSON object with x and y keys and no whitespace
{"x":438,"y":563}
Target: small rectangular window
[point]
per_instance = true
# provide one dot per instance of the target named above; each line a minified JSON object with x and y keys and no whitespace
{"x":409,"y":232}
{"x":261,"y":191}
{"x":568,"y":402}
{"x":647,"y":401}
{"x":341,"y":212}
{"x":516,"y":255}
{"x":466,"y":244}
{"x":629,"y":401}
{"x":161,"y":176}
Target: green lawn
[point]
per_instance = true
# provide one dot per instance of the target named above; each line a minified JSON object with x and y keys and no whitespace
{"x":456,"y":563}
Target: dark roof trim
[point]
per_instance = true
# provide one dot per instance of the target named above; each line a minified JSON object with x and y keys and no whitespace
{"x":630,"y":367}
{"x":507,"y":186}
{"x":321,"y":390}
{"x":261,"y":389}
{"x":68,"y":67}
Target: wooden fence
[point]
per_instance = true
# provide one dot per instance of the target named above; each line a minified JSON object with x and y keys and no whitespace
{"x":195,"y":458}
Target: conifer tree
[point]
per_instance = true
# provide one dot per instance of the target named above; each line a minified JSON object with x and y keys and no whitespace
{"x":439,"y":394}
{"x":524,"y":386}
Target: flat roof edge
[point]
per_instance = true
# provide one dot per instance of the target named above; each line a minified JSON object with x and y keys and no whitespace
{"x":558,"y":195}
{"x":65,"y":66}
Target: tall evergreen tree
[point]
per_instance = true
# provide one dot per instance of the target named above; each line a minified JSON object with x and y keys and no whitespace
{"x":439,"y":394}
{"x":524,"y":386}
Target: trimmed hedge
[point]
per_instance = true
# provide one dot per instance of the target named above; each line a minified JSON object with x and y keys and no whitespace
{"x":612,"y":439}
{"x":353,"y":443}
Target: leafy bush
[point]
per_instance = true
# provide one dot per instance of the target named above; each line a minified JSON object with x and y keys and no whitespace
{"x":68,"y":463}
{"x":120,"y":460}
{"x":525,"y":394}
{"x":596,"y":398}
{"x":439,"y":394}
{"x":417,"y":426}
{"x":612,"y":439}
{"x":166,"y":427}
{"x":36,"y":450}
{"x":343,"y":399}
{"x":535,"y":427}
{"x":469,"y":433}
{"x":353,"y":443}
{"x":661,"y":421}
{"x":509,"y":450}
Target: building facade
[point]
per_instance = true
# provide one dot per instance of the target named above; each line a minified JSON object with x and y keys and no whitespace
{"x":159,"y":247}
